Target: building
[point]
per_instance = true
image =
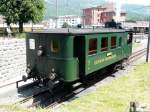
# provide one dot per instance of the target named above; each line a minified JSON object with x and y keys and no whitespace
{"x":50,"y":23}
{"x":71,"y":20}
{"x":27,"y":27}
{"x":101,"y":14}
{"x":53,"y":22}
{"x":137,"y":26}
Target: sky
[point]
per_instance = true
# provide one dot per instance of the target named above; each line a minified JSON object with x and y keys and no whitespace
{"x":139,"y":2}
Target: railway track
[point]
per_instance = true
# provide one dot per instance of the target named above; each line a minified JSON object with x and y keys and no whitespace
{"x":66,"y":96}
{"x":136,"y":55}
{"x":26,"y":99}
{"x":60,"y":95}
{"x":15,"y":83}
{"x":2,"y":86}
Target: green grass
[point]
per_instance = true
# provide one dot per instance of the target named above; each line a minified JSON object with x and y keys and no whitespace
{"x":12,"y":108}
{"x":115,"y":96}
{"x":112,"y":97}
{"x":16,"y":108}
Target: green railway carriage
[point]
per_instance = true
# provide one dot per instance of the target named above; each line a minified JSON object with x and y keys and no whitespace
{"x":70,"y":54}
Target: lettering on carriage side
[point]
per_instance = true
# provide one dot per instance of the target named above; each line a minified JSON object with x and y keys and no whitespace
{"x":99,"y":61}
{"x":109,"y":54}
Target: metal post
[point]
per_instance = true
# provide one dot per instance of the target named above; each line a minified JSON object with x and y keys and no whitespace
{"x":56,"y":12}
{"x":83,"y":20}
{"x":148,"y":44}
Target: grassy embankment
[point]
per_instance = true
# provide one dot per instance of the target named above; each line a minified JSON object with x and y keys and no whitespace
{"x":112,"y":97}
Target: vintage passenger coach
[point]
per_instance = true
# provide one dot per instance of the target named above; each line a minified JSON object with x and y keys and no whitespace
{"x":70,"y":54}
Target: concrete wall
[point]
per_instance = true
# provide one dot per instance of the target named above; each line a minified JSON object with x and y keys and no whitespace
{"x":12,"y":59}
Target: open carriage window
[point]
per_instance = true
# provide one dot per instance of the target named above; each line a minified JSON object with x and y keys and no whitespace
{"x":104,"y":44}
{"x":92,"y":46}
{"x":129,"y":39}
{"x":113,"y":42}
{"x":55,"y":46}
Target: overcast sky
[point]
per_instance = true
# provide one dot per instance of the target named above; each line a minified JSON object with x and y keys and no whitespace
{"x":140,"y":2}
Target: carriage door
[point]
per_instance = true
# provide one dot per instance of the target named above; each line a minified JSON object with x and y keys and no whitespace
{"x":79,"y":52}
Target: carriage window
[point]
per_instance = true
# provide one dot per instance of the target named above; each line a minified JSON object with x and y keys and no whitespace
{"x":120,"y":41}
{"x":92,"y":46}
{"x":130,"y":36}
{"x":55,"y":46}
{"x":113,"y":42}
{"x":104,"y":44}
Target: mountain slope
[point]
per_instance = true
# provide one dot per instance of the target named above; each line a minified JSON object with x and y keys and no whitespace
{"x":74,"y":7}
{"x":137,"y":12}
{"x":67,"y":7}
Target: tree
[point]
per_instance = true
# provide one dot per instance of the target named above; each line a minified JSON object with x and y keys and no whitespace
{"x":22,"y":11}
{"x":65,"y":25}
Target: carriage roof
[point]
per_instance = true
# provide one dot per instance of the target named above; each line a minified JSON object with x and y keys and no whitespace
{"x":71,"y":31}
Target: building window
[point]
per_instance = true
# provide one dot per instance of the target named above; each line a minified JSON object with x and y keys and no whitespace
{"x":92,"y":46}
{"x":55,"y":46}
{"x":113,"y":42}
{"x":104,"y":44}
{"x":120,"y":41}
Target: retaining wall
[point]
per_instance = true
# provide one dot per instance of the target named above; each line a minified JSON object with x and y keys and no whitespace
{"x":12,"y":59}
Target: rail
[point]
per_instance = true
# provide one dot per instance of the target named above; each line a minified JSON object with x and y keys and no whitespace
{"x":136,"y":55}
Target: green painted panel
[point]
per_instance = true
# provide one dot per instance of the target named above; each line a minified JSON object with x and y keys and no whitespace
{"x":104,"y":58}
{"x":65,"y":65}
{"x":67,"y":69}
{"x":70,"y":70}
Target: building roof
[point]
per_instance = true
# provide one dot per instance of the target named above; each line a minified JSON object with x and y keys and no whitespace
{"x":71,"y":31}
{"x":136,"y":24}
